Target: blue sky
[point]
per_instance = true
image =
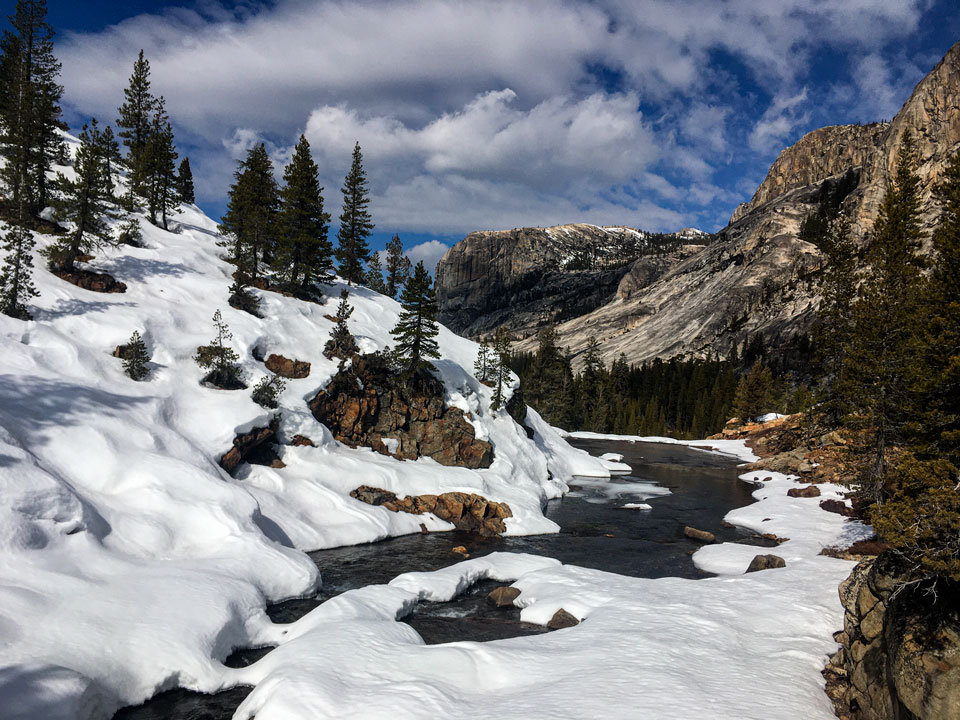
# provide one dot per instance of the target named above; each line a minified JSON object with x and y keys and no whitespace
{"x":490,"y":115}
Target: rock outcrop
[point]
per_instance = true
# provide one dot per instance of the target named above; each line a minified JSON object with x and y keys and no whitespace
{"x":364,"y":405}
{"x":254,"y":446}
{"x":755,"y":277}
{"x":900,"y":648}
{"x":467,"y":511}
{"x":93,"y":281}
{"x":285,"y":367}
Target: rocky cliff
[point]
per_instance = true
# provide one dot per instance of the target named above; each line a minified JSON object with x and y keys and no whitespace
{"x":756,"y":276}
{"x":527,"y":276}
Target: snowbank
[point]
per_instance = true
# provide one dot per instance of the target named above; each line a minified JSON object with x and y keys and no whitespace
{"x":733,"y":448}
{"x":117,"y":524}
{"x":735,"y":646}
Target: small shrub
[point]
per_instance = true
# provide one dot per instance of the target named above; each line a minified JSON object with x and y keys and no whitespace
{"x":130,"y":233}
{"x":220,"y":359}
{"x":266,"y":393}
{"x":136,"y":357}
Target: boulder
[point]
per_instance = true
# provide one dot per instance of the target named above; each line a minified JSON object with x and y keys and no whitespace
{"x":766,"y":562}
{"x":468,"y":512}
{"x":503,"y":596}
{"x":301,"y":440}
{"x":836,"y":506}
{"x":367,"y":405}
{"x":810,"y":491}
{"x":254,"y":446}
{"x":285,"y":367}
{"x":562,"y":619}
{"x":699,"y":535}
{"x":94,"y":281}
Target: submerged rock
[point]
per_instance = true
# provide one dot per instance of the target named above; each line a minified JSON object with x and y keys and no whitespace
{"x":504,"y":596}
{"x":699,"y":535}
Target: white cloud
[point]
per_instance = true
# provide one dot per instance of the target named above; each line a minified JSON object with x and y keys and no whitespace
{"x":428,"y":252}
{"x":777,"y":125}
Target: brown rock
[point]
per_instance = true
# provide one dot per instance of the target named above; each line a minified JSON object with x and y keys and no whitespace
{"x":461,"y":550}
{"x":699,"y":535}
{"x":94,"y":281}
{"x":468,"y":512}
{"x":254,"y":447}
{"x":810,"y":491}
{"x":766,"y":562}
{"x":301,"y":440}
{"x":365,"y":405}
{"x":562,"y":619}
{"x":295,"y":369}
{"x":503,"y":596}
{"x":836,"y":506}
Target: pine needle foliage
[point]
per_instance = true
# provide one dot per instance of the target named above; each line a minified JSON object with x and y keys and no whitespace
{"x":29,"y":108}
{"x":16,"y":274}
{"x":754,"y":393}
{"x":398,"y":267}
{"x":185,"y":189}
{"x":266,"y":393}
{"x":304,"y":254}
{"x":500,"y":370}
{"x":342,"y":344}
{"x":417,"y":328}
{"x":134,"y":122}
{"x":483,"y":365}
{"x":355,"y":223}
{"x":136,"y":357}
{"x":375,"y":279}
{"x":159,"y":184}
{"x":85,"y":202}
{"x":220,"y":359}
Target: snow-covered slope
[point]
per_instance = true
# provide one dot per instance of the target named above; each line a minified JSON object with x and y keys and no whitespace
{"x":129,"y":561}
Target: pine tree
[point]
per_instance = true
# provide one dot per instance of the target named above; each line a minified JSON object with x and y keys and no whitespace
{"x":160,"y":179}
{"x":16,"y":282}
{"x":939,"y":381}
{"x":341,"y":344}
{"x":416,"y":329}
{"x":134,"y":122}
{"x":220,"y":359}
{"x":249,"y":227}
{"x":304,"y":253}
{"x":591,"y":385}
{"x":550,"y":386}
{"x":877,"y":370}
{"x":831,"y":332}
{"x":501,"y":367}
{"x":355,"y":226}
{"x":754,"y":393}
{"x":266,"y":393}
{"x":85,"y":202}
{"x":185,"y":183}
{"x":398,"y":266}
{"x":484,"y":362}
{"x":375,"y":275}
{"x":29,"y":109}
{"x":136,"y":357}
{"x":110,"y":150}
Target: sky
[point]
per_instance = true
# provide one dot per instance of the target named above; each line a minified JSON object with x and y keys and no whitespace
{"x":487,"y":115}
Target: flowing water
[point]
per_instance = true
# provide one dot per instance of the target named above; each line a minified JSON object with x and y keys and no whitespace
{"x":670,"y":486}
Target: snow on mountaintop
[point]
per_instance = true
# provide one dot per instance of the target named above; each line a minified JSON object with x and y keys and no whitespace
{"x":129,"y":561}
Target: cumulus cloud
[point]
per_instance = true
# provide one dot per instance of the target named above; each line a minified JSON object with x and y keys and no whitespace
{"x":489,"y":114}
{"x":429,"y":253}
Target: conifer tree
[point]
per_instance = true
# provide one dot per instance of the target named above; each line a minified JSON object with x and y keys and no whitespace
{"x":398,"y":266}
{"x":939,"y":379}
{"x":591,"y":386}
{"x":219,"y":358}
{"x":249,"y":226}
{"x":877,"y":371}
{"x":266,"y":393}
{"x":754,"y":393}
{"x":160,"y":179}
{"x":416,"y":329}
{"x":550,"y":387}
{"x":501,"y":367}
{"x":85,"y":202}
{"x":135,"y":120}
{"x":484,"y":362}
{"x":135,"y":357}
{"x":375,"y":275}
{"x":29,"y":108}
{"x":341,"y":344}
{"x":304,"y":253}
{"x":831,"y":333}
{"x":16,"y":274}
{"x":355,"y":226}
{"x":185,"y":182}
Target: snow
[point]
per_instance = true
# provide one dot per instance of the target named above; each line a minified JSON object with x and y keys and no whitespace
{"x":734,"y":448}
{"x":769,"y":417}
{"x":734,"y":646}
{"x":116,"y":522}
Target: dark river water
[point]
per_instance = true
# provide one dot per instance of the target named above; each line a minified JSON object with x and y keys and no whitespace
{"x":596,"y":532}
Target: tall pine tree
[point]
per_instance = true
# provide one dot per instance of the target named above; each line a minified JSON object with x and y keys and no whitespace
{"x":304,"y":254}
{"x":185,"y":182}
{"x":416,"y":329}
{"x":16,"y":282}
{"x":352,"y":252}
{"x":160,"y":178}
{"x":877,"y":370}
{"x":29,"y":109}
{"x":85,"y":202}
{"x":398,"y":266}
{"x":249,"y":226}
{"x":375,"y":275}
{"x":134,"y":122}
